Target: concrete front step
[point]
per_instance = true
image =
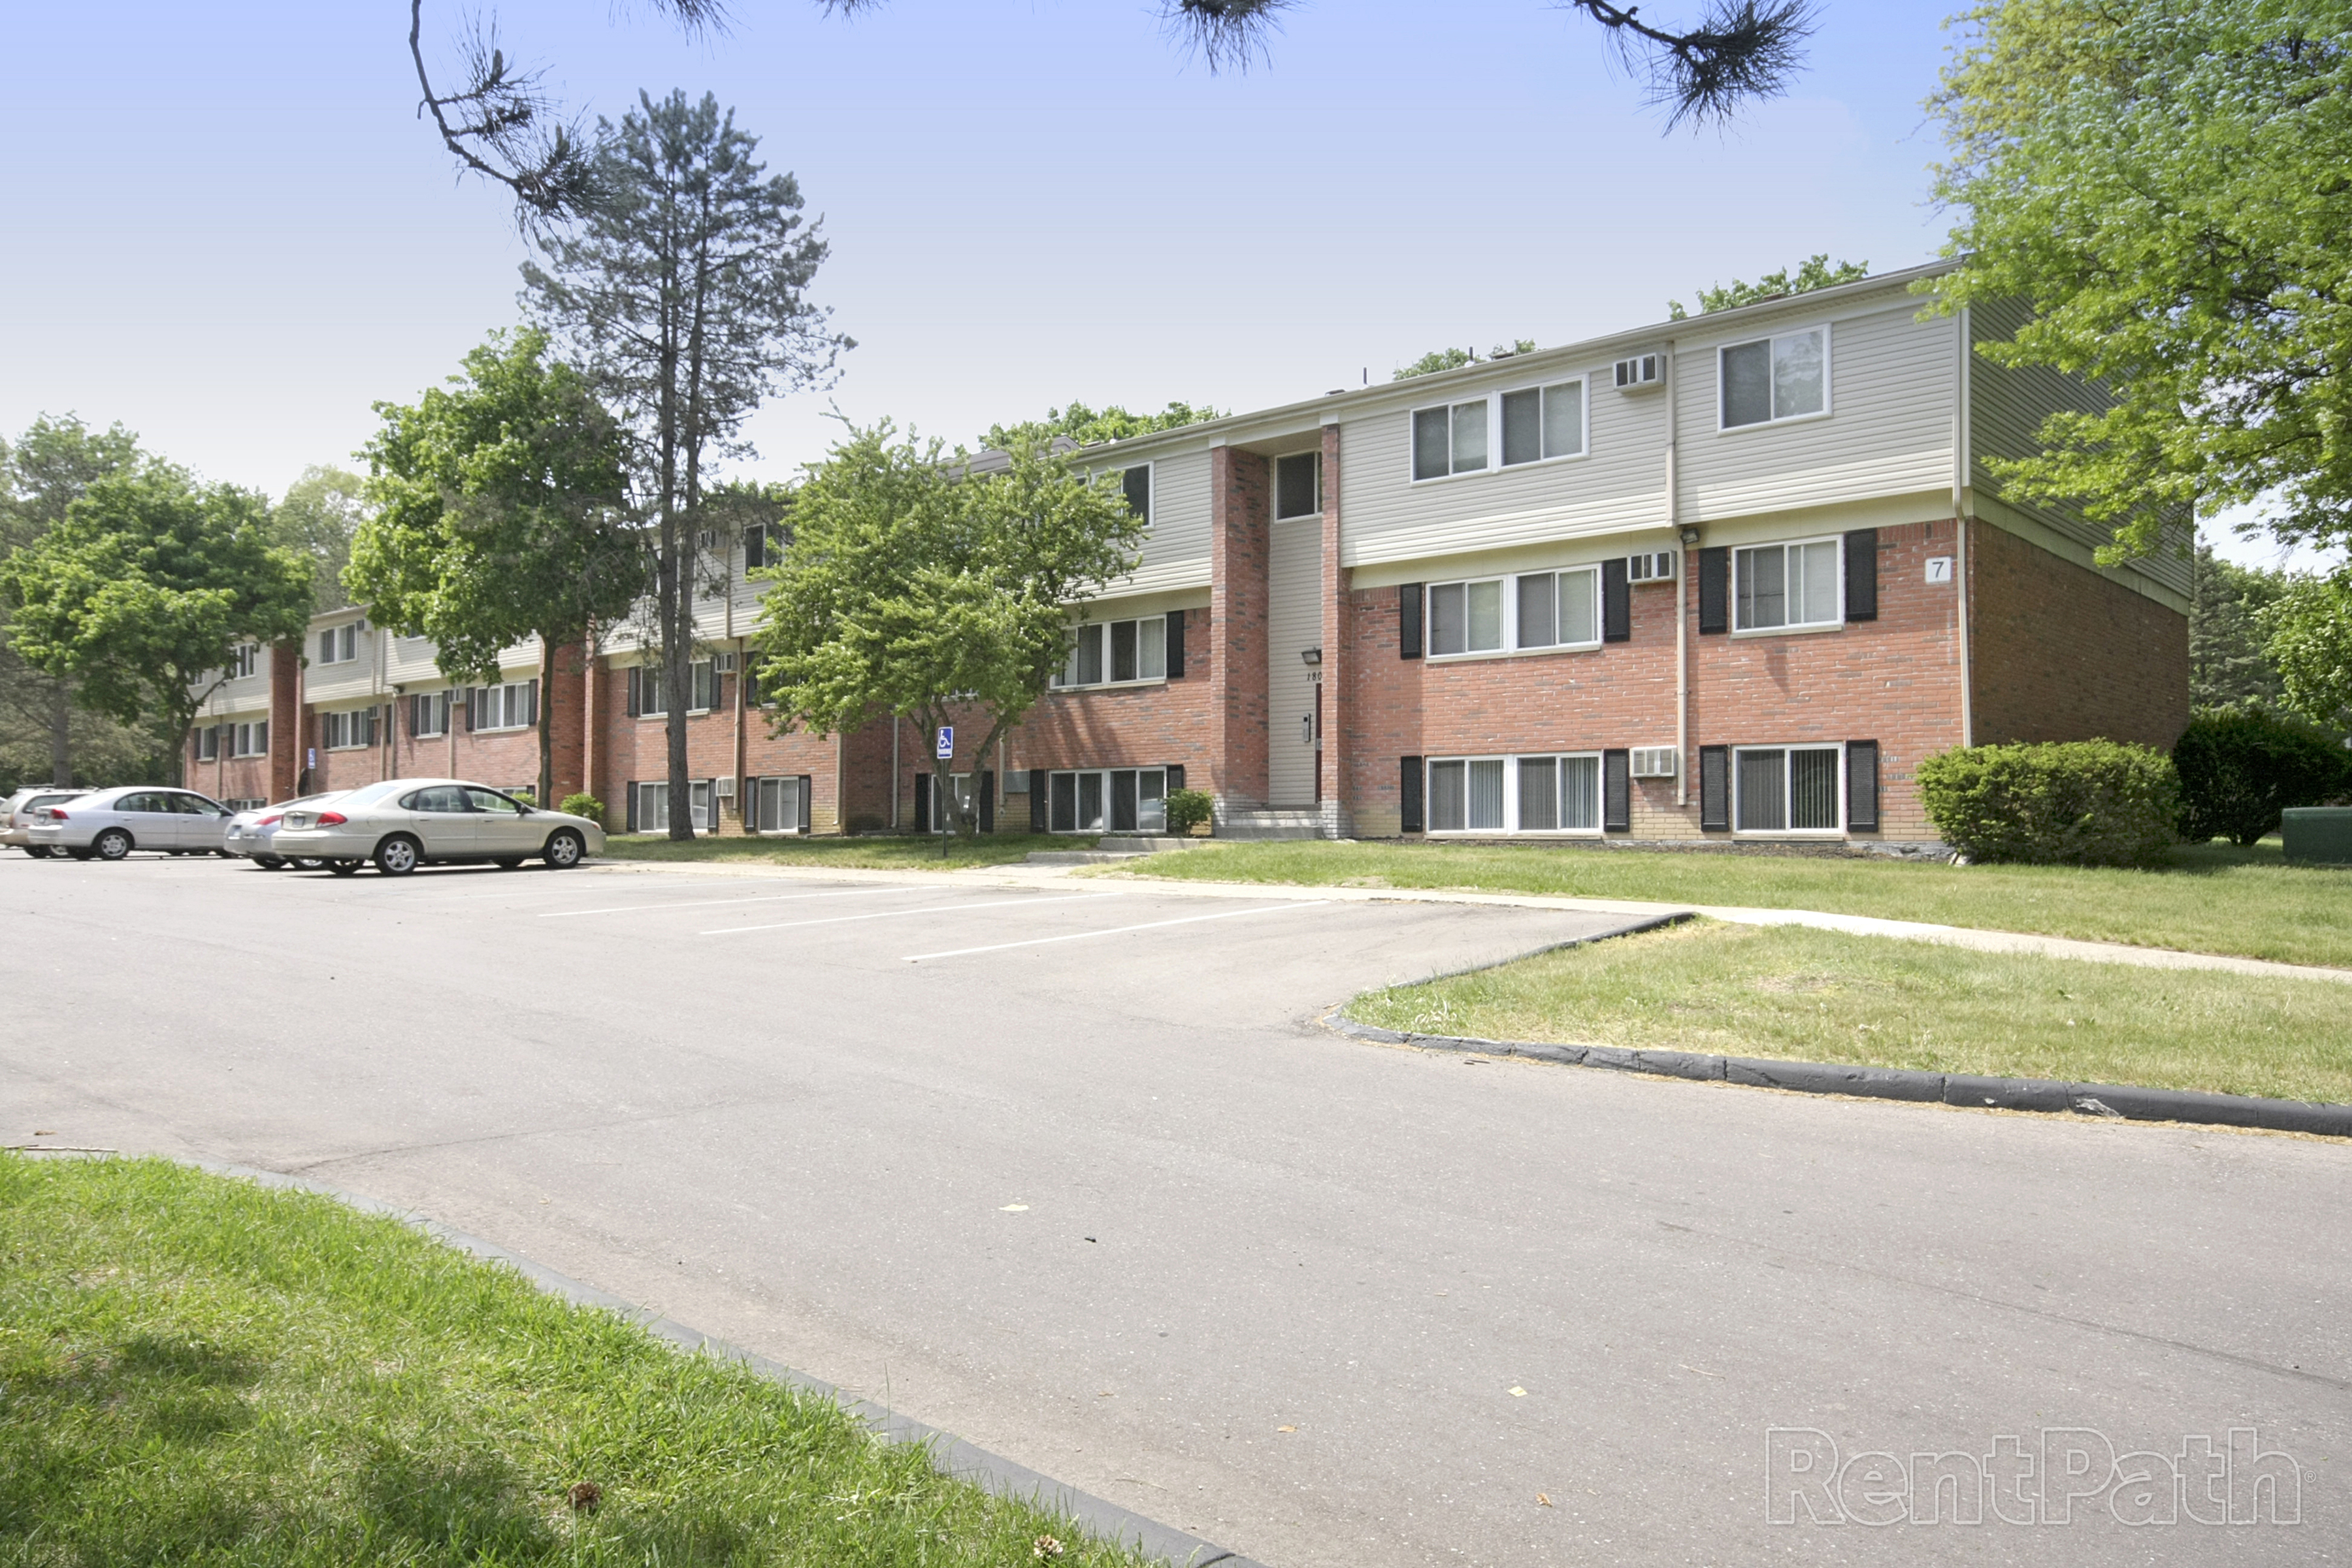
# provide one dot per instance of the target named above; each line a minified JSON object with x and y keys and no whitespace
{"x":1121,"y":846}
{"x":1271,"y":822}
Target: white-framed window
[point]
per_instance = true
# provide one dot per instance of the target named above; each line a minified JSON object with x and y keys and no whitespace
{"x":646,"y":698}
{"x":653,"y":809}
{"x":513,"y":706}
{"x":208,"y":740}
{"x":1537,"y":425}
{"x":1787,"y":789}
{"x":249,"y":740}
{"x":703,"y":803}
{"x":1299,"y":485}
{"x":1135,"y":483}
{"x":1540,"y":423}
{"x":349,"y":728}
{"x":702,"y":678}
{"x":1775,"y":378}
{"x":428,"y":714}
{"x":243,"y":803}
{"x":340,"y":645}
{"x":1111,"y":653}
{"x":243,"y":660}
{"x":1553,"y":794}
{"x":778,"y":808}
{"x":1530,"y":610}
{"x":1778,"y":586}
{"x":1451,"y":439}
{"x":1107,"y":800}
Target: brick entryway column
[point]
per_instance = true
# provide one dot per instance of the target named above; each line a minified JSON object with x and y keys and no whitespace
{"x":1238,"y":511}
{"x":1337,"y":795}
{"x":285,"y":719}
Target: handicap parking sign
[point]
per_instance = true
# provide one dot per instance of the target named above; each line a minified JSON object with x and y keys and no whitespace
{"x":947,"y":743}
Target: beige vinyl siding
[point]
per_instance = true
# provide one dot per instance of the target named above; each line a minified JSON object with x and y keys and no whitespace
{"x":1293,"y":624}
{"x":1619,"y":483}
{"x":2006,"y":411}
{"x":1893,"y":405}
{"x":1176,"y":552}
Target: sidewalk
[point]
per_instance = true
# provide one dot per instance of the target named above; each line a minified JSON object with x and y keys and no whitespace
{"x":1021,"y":876}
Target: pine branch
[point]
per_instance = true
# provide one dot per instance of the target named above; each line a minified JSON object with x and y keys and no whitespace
{"x":1744,"y":50}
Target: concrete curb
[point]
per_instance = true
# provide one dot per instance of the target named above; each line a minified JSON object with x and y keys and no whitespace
{"x":2119,"y":1101}
{"x":950,"y":1454}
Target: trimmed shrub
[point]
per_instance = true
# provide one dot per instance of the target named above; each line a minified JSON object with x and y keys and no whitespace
{"x":583,"y":803}
{"x":2072,"y":803}
{"x":2240,"y":768}
{"x":1187,"y":809}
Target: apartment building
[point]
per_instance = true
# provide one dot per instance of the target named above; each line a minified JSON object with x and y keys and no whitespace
{"x":1726,"y":578}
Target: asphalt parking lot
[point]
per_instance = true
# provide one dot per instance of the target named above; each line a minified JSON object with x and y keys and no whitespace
{"x":1072,"y":1171}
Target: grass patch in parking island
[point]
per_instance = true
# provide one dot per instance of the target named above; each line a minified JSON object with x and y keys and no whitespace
{"x":2214,"y":897}
{"x":1800,"y":994}
{"x":195,"y":1369}
{"x":909,"y":852}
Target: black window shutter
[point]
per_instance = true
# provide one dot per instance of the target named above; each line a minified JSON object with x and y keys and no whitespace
{"x":1175,"y":645}
{"x":922,"y":802}
{"x":1862,"y":786}
{"x":1617,"y":790}
{"x":1616,"y":602}
{"x":1713,"y":590}
{"x":1861,"y":575}
{"x":805,"y":791}
{"x":1408,"y":812}
{"x":1036,"y":800}
{"x":630,"y":814}
{"x":1715,"y":789}
{"x":987,"y":801}
{"x":1409,"y":621}
{"x":1175,"y":772}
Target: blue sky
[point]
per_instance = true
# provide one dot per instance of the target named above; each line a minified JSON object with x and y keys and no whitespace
{"x":229,"y":231}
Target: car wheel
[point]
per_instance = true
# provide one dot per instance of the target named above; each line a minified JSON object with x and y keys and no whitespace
{"x":38,"y":851}
{"x":81,"y":854}
{"x":112,"y":845}
{"x":397,"y":856}
{"x":308,"y":863}
{"x":345,"y":868}
{"x":269,"y":862}
{"x":505,"y":862}
{"x":564,"y":850}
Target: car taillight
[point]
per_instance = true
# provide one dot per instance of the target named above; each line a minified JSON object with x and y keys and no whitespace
{"x":54,"y":814}
{"x":272,"y":820}
{"x":333,"y":819}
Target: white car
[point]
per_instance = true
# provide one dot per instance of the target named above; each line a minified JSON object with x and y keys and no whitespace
{"x":406,"y":823}
{"x":250,"y":832}
{"x":16,"y":817}
{"x":109,"y":824}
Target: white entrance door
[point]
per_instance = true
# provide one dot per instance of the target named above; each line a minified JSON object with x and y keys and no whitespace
{"x":1293,"y":625}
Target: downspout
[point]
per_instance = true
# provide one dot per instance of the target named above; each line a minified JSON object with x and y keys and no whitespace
{"x":894,"y":773}
{"x":747,"y":811}
{"x":1682,"y":599}
{"x":1961,"y":437}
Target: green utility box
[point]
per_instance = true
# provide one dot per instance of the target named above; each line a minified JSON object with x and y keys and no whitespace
{"x":2318,"y":835}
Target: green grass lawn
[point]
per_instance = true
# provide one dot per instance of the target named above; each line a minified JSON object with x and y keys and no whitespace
{"x":1800,"y":994}
{"x":909,"y":853}
{"x":196,"y":1370}
{"x":2213,"y":898}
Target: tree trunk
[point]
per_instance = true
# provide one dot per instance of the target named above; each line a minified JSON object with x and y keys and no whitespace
{"x":546,"y":722}
{"x":60,"y":736}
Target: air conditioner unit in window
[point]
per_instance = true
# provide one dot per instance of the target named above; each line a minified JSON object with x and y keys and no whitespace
{"x":1654,"y":762}
{"x":1639,"y":372}
{"x":727,"y":788}
{"x":1657,"y":567}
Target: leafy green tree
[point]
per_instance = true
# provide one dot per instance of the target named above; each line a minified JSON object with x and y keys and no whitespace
{"x":684,"y":290}
{"x":318,"y":516}
{"x":145,"y":587}
{"x":2229,"y":667}
{"x":2310,"y":643}
{"x":500,"y":515}
{"x":1436,"y":360}
{"x":40,"y":476}
{"x":919,"y":588}
{"x":2164,"y":182}
{"x":1817,"y":272}
{"x":1087,"y":425}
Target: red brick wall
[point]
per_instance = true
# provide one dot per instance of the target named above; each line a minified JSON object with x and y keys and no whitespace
{"x":638,"y":749}
{"x":2059,"y":653}
{"x":1236,"y":643}
{"x":1894,"y":680}
{"x":285,"y":721}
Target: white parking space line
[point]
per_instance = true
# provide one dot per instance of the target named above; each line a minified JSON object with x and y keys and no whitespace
{"x":1032,"y":901}
{"x":1119,"y":930}
{"x":706,"y":903}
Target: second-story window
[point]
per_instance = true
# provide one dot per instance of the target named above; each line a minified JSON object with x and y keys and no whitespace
{"x":340,"y":645}
{"x":1449,"y":440}
{"x":1540,"y":422}
{"x":514,"y":706}
{"x":1299,"y":485}
{"x":1531,"y":610}
{"x":428,"y":714}
{"x":1782,"y":585}
{"x":243,"y":660}
{"x":1135,"y":483}
{"x":1786,"y":377}
{"x":1108,"y":652}
{"x":703,"y":676}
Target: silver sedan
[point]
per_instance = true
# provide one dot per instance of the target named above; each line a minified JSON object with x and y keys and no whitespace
{"x":250,"y":832}
{"x":109,"y":824}
{"x":16,"y":817}
{"x":403,"y":824}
